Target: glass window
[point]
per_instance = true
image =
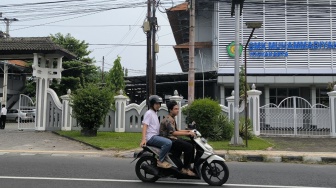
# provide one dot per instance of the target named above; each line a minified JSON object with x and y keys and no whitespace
{"x":272,"y":92}
{"x":279,"y":94}
{"x":282,"y":92}
{"x":273,"y":100}
{"x":228,"y":92}
{"x":293,"y":92}
{"x":322,"y":96}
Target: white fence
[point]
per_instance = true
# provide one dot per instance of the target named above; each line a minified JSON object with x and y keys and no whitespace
{"x":293,"y":116}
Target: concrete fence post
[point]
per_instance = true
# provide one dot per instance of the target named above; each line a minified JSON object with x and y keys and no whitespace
{"x":230,"y":101}
{"x":120,"y":105}
{"x":254,"y":109}
{"x":178,"y":99}
{"x":332,"y":104}
{"x":66,"y":112}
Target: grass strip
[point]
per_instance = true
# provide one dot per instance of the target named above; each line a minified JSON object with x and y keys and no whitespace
{"x":127,"y":141}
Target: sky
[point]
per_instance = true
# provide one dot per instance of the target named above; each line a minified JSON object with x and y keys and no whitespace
{"x":111,"y":27}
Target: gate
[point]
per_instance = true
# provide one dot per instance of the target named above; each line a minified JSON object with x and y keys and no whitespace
{"x":295,"y":116}
{"x":26,"y":113}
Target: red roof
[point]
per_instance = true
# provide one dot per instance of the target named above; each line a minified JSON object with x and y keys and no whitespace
{"x":18,"y":63}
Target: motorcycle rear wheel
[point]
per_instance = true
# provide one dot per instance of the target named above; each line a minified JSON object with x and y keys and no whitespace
{"x":215,"y":173}
{"x":141,"y":173}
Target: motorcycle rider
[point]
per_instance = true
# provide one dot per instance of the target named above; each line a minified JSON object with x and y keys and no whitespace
{"x":150,"y":131}
{"x":168,"y":128}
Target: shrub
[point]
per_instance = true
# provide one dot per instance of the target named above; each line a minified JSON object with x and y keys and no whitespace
{"x":242,"y":132}
{"x":223,"y":129}
{"x":90,"y":106}
{"x":205,"y":113}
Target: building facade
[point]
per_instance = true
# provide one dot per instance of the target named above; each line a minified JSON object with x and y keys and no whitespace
{"x":292,"y":54}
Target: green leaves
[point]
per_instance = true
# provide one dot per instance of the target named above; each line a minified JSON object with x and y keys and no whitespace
{"x":79,"y":48}
{"x":76,"y":73}
{"x":90,"y":106}
{"x":115,"y":78}
{"x":204,"y":112}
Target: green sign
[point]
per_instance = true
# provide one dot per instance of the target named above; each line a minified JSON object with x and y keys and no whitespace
{"x":231,"y":49}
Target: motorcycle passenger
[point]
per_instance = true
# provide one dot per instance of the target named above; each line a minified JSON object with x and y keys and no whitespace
{"x":168,"y":128}
{"x":150,"y":131}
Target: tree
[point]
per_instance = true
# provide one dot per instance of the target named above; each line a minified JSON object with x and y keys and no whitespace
{"x":242,"y":82}
{"x":30,"y":89}
{"x":76,"y":73}
{"x":205,"y":113}
{"x":90,"y":105}
{"x":115,"y":79}
{"x":79,"y":48}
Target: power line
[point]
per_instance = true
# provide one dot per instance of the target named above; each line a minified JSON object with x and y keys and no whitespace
{"x":141,"y":14}
{"x":125,"y":5}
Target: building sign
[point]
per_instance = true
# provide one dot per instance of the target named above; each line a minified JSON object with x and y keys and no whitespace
{"x":280,"y":49}
{"x":231,"y":49}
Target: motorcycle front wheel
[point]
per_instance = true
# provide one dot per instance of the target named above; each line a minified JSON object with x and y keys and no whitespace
{"x":215,"y":173}
{"x":141,"y":173}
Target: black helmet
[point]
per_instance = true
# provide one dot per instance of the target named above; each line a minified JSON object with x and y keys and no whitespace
{"x":154,"y":99}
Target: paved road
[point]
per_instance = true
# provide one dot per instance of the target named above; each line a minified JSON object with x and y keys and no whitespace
{"x":29,"y":141}
{"x":53,"y":171}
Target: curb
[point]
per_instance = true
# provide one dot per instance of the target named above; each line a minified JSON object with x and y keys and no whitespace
{"x":271,"y":159}
{"x":281,"y":159}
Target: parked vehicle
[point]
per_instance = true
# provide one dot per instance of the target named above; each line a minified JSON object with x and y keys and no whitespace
{"x":19,"y":115}
{"x":210,"y":167}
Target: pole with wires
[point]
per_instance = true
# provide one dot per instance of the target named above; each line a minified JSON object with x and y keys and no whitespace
{"x":191,"y":72}
{"x":147,"y":29}
{"x":153,"y":27}
{"x":5,"y":69}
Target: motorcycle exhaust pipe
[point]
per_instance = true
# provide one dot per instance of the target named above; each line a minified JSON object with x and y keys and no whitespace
{"x":150,"y":169}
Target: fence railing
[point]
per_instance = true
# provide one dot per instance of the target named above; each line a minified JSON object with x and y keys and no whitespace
{"x":294,"y":117}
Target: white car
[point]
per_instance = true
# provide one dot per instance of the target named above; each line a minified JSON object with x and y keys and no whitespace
{"x":16,"y":115}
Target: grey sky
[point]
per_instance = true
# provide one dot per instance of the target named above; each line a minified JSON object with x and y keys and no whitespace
{"x":112,"y":27}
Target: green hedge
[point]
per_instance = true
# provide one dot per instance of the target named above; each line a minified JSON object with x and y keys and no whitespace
{"x":90,"y":106}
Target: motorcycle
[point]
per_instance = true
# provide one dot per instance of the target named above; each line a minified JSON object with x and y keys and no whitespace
{"x":209,"y":166}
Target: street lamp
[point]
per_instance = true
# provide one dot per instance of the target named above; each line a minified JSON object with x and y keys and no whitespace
{"x":253,"y":25}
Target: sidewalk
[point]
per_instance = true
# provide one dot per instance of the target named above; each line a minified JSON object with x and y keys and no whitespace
{"x":29,"y":142}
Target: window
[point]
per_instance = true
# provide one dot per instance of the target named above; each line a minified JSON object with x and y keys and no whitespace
{"x":322,"y":96}
{"x":279,"y":94}
{"x":228,"y":92}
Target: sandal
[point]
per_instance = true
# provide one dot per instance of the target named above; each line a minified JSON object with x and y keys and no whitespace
{"x":164,"y":164}
{"x":187,"y":172}
{"x":190,"y":173}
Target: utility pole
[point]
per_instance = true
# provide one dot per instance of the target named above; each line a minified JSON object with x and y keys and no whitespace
{"x":236,"y":9}
{"x":5,"y":80}
{"x":153,"y":27}
{"x":149,"y":56}
{"x":150,"y":27}
{"x":191,"y":73}
{"x":7,"y":22}
{"x":103,"y":70}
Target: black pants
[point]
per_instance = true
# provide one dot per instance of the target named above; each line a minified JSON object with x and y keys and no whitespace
{"x":3,"y":121}
{"x":179,"y":146}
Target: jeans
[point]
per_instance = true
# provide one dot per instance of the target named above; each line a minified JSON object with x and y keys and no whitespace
{"x":161,"y":142}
